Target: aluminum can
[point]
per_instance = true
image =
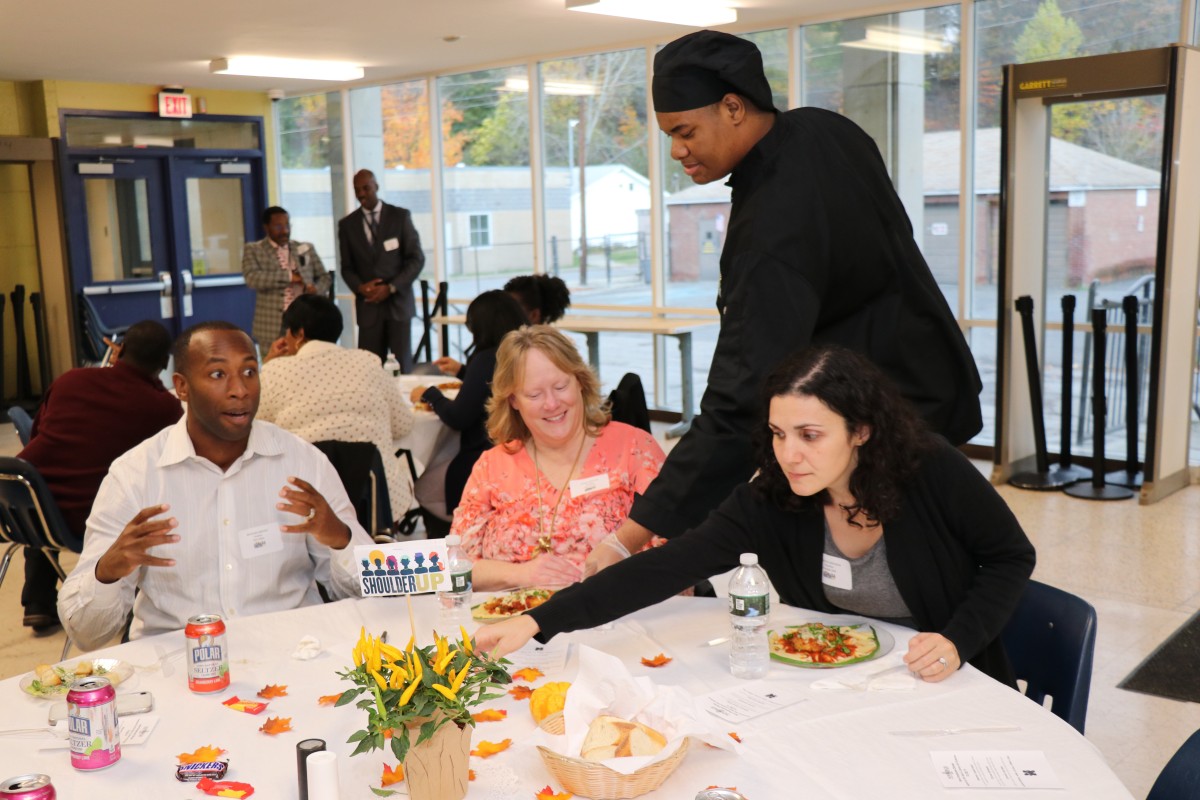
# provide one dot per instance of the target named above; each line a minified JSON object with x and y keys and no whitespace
{"x":208,"y":657}
{"x":92,"y":724}
{"x":28,"y":787}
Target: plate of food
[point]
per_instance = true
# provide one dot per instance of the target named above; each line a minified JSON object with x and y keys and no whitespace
{"x":50,"y":682}
{"x":510,"y":604}
{"x":822,"y":646}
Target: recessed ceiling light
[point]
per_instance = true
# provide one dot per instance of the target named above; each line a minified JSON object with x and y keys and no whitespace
{"x":696,"y":13}
{"x":301,"y":68}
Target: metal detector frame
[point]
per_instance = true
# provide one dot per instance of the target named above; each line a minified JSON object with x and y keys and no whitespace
{"x":1029,"y":92}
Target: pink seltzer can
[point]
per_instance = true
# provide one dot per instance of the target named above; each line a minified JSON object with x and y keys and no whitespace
{"x":28,"y":787}
{"x":92,"y":724}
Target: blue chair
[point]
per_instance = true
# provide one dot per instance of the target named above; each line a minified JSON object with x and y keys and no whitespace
{"x":29,"y":517}
{"x":22,"y":422}
{"x":93,"y":332}
{"x":1050,"y":640}
{"x":1180,"y":778}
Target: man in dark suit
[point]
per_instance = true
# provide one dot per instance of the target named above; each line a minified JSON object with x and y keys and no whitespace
{"x":380,"y":258}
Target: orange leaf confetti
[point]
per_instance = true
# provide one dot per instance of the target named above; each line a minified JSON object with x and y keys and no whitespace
{"x":487,"y":749}
{"x":201,"y":755}
{"x":530,"y":674}
{"x":271,"y":691}
{"x":548,"y":794}
{"x":658,"y":661}
{"x":328,"y":699}
{"x":470,"y":774}
{"x":714,"y":786}
{"x":391,"y":776}
{"x":733,"y":735}
{"x":520,"y":692}
{"x":276,"y":725}
{"x":490,"y":715}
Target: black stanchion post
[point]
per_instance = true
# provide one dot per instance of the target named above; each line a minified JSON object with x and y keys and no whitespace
{"x":3,"y":301}
{"x":1066,"y":470}
{"x":39,"y":328}
{"x":1096,"y":489}
{"x":1040,"y":479}
{"x":17,"y":296}
{"x":1131,"y":475}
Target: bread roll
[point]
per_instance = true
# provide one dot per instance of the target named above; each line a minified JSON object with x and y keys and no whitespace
{"x":613,"y":737}
{"x":46,"y":674}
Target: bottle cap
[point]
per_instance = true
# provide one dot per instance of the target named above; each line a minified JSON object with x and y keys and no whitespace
{"x":453,"y":540}
{"x":749,"y":559}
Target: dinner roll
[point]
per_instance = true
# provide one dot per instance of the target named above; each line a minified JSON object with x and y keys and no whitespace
{"x":613,"y":737}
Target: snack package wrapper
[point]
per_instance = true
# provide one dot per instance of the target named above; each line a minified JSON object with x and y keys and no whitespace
{"x":604,"y":686}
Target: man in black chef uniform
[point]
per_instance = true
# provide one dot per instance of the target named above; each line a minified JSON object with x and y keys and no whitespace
{"x":819,"y":250}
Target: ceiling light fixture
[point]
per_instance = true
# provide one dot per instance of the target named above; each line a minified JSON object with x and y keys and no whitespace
{"x":572,"y":88}
{"x":695,"y":13}
{"x":898,"y":40}
{"x":299,"y":68}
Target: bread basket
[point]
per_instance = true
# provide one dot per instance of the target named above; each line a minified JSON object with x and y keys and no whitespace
{"x":593,"y":780}
{"x":553,"y":723}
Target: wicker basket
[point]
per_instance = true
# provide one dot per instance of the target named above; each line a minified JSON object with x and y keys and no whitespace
{"x":553,"y":723}
{"x":593,"y":780}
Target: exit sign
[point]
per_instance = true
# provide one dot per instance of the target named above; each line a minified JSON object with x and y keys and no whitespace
{"x":172,"y":104}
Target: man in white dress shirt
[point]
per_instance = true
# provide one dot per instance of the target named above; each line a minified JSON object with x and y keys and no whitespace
{"x":217,"y":514}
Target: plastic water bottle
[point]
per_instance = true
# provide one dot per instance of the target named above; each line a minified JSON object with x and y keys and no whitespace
{"x":391,"y":366}
{"x":456,"y":597}
{"x":749,"y":612}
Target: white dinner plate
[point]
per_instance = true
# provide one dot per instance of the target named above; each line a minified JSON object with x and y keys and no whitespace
{"x":886,"y":643}
{"x":116,"y":671}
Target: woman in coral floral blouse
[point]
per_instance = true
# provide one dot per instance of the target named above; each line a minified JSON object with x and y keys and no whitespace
{"x":565,"y":476}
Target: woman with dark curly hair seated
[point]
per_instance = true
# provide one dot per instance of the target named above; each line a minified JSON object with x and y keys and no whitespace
{"x":849,"y":479}
{"x":544,"y":298}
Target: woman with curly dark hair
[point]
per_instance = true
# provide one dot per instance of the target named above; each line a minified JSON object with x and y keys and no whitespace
{"x":856,"y":508}
{"x":545,"y":298}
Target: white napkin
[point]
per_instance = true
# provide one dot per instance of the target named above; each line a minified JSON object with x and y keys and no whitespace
{"x":888,"y":675}
{"x":308,"y":649}
{"x":604,"y":686}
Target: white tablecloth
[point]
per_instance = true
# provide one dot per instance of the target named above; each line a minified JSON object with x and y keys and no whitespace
{"x":832,"y":745}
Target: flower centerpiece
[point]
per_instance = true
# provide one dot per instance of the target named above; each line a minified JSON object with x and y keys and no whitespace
{"x":420,"y":698}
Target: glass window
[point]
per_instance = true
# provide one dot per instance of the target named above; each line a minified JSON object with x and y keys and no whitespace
{"x":118,"y":219}
{"x":216,"y":226}
{"x":597,"y":214}
{"x":481,"y":230}
{"x":305,"y":182}
{"x":84,"y":131}
{"x":485,"y":166}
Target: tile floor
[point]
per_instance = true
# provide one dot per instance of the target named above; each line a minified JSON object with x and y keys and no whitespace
{"x":1139,"y":565}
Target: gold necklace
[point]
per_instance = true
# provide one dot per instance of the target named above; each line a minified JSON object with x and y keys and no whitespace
{"x":545,"y":540}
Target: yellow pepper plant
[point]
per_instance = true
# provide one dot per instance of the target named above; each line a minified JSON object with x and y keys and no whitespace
{"x":403,"y":687}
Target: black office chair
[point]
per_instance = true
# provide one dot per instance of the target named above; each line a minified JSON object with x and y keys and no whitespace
{"x":360,"y":466}
{"x":93,"y":331}
{"x":29,"y":517}
{"x":1050,"y":640}
{"x":1180,"y":778}
{"x":627,"y":402}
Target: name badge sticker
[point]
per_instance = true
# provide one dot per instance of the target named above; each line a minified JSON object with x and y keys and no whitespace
{"x":260,"y":541}
{"x":582,"y":486}
{"x":391,"y":244}
{"x":835,"y":572}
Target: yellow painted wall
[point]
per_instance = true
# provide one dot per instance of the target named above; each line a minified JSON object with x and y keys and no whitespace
{"x":18,"y":264}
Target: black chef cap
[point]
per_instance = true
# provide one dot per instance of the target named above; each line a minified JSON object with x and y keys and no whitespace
{"x":699,"y":69}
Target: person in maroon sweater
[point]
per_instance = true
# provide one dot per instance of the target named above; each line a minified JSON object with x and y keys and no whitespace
{"x":88,"y":417}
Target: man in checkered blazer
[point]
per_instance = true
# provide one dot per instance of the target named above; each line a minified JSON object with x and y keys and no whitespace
{"x":280,"y":270}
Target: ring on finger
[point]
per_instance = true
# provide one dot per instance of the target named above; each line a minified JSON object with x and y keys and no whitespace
{"x":312,"y":512}
{"x":943,"y":662}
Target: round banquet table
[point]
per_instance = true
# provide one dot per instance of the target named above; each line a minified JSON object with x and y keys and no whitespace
{"x":430,"y":441}
{"x":833,"y":744}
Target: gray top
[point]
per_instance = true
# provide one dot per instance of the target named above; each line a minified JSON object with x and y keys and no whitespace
{"x":874,"y":593}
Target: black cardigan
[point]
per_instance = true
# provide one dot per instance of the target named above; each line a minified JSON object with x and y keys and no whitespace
{"x":958,"y":555}
{"x":466,"y":413}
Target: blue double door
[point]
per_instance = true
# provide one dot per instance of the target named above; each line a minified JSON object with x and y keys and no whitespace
{"x":160,"y":236}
